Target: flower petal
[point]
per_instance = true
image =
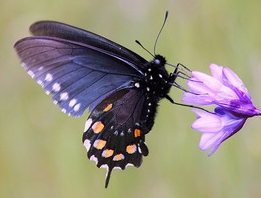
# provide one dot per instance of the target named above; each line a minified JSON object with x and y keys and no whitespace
{"x":216,"y":127}
{"x":209,"y":82}
{"x":210,"y":140}
{"x":216,"y":71}
{"x":193,"y":99}
{"x":235,"y":81}
{"x":207,"y":122}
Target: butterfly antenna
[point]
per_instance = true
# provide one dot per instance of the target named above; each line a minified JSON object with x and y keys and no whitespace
{"x":139,"y":43}
{"x":157,"y":38}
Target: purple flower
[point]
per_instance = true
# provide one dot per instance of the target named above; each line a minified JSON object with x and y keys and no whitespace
{"x":233,"y":105}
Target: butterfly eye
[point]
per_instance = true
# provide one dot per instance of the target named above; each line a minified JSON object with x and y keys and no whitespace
{"x":157,"y":61}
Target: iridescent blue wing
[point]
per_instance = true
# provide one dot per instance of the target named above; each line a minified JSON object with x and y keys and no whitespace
{"x":77,"y":75}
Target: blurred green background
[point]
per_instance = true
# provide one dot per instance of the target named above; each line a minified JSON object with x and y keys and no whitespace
{"x":41,"y":153}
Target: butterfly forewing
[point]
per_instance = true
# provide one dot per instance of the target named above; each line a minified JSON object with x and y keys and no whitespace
{"x":67,"y":32}
{"x":77,"y":76}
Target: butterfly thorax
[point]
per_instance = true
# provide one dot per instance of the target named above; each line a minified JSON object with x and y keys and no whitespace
{"x":155,"y":84}
{"x":156,"y":78}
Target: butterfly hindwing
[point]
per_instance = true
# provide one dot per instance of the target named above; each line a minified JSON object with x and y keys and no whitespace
{"x":113,"y":133}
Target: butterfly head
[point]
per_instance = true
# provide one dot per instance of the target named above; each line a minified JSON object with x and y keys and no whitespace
{"x":159,"y":60}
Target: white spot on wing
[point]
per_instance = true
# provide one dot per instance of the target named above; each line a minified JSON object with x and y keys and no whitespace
{"x":48,"y":77}
{"x":56,"y":87}
{"x":87,"y":124}
{"x":87,"y":144}
{"x":139,"y":149}
{"x":77,"y":107}
{"x":115,"y":132}
{"x":117,"y":167}
{"x":23,"y":64}
{"x":104,"y":166}
{"x":31,"y":73}
{"x":94,"y":159}
{"x":129,"y":164}
{"x":64,"y":96}
{"x":40,"y":82}
{"x":72,"y":102}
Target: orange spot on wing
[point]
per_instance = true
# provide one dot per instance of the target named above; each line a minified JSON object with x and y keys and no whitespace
{"x":108,"y":153}
{"x":137,"y":132}
{"x":131,"y":149}
{"x":99,"y":144}
{"x":97,"y":127}
{"x":108,"y":108}
{"x":118,"y":157}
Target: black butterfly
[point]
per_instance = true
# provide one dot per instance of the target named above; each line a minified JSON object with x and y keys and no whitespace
{"x":121,"y":89}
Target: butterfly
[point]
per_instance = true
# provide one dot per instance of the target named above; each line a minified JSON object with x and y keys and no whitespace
{"x":120,"y":89}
